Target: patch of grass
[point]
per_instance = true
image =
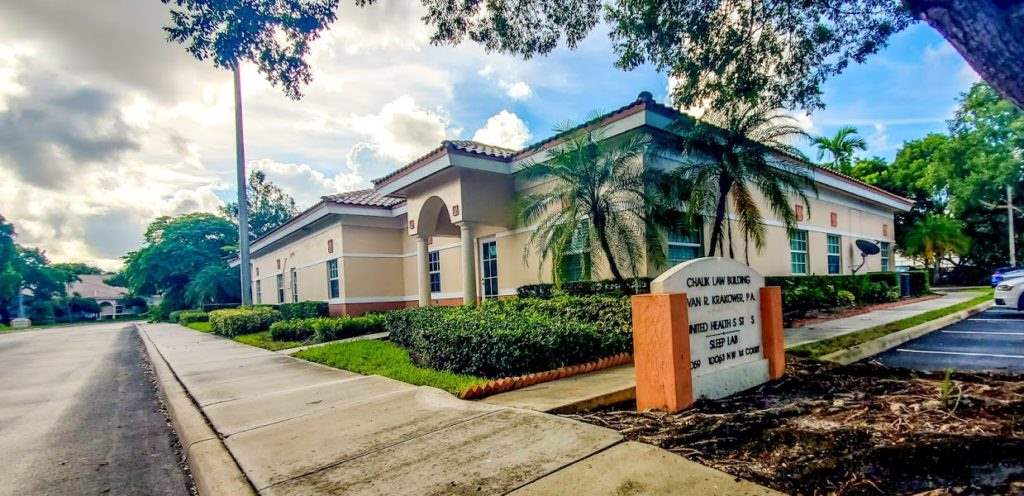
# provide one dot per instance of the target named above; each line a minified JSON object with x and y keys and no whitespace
{"x":831,"y":345}
{"x":372,"y":357}
{"x":200,"y":326}
{"x":262,"y":340}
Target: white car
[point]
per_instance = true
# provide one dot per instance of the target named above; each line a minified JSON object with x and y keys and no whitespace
{"x":1008,"y":293}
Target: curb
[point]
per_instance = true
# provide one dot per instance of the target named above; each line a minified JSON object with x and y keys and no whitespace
{"x":214,"y":471}
{"x":506,"y":384}
{"x":889,"y":341}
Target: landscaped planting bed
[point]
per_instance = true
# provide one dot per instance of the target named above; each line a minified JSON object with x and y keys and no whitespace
{"x":860,"y":429}
{"x":513,"y":337}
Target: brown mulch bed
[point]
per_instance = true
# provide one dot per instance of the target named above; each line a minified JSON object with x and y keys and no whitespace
{"x":850,"y":312}
{"x":859,"y":429}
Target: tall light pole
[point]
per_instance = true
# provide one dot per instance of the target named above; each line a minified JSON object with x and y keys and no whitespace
{"x":1010,"y":210}
{"x":243,"y":203}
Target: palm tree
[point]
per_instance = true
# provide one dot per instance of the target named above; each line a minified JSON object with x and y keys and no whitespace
{"x":841,"y":147}
{"x":730,"y":154}
{"x":934,"y":237}
{"x":596,"y":201}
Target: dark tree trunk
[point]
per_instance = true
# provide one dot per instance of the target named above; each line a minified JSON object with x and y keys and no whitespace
{"x":613,"y":266}
{"x":716,"y":231}
{"x":989,"y":34}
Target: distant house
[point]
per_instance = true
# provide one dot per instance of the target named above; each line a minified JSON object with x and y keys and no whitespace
{"x":109,"y":297}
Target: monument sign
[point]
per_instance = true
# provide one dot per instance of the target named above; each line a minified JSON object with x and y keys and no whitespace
{"x":708,"y":329}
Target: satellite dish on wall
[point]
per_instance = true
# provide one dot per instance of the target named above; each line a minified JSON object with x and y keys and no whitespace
{"x":867,"y":247}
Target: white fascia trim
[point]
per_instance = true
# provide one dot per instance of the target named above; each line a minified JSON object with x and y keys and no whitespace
{"x":607,"y":131}
{"x":296,"y":224}
{"x":320,"y":212}
{"x":859,"y":191}
{"x":662,"y":122}
{"x":439,"y":164}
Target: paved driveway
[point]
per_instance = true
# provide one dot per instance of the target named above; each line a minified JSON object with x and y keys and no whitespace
{"x":991,"y":341}
{"x":79,"y":415}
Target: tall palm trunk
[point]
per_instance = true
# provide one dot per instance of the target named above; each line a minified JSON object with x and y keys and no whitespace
{"x":600,"y":225}
{"x":716,"y":231}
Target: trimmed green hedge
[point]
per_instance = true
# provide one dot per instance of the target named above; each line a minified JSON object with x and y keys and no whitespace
{"x":920,"y":283}
{"x":303,"y":310}
{"x":245,"y":320}
{"x":802,"y":294}
{"x":609,"y":287}
{"x":513,"y":337}
{"x":185,"y":317}
{"x":322,"y":329}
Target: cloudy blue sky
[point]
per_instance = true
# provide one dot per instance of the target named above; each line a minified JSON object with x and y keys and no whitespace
{"x":104,"y":125}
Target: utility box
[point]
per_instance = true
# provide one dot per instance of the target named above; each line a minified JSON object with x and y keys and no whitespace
{"x":904,"y":284}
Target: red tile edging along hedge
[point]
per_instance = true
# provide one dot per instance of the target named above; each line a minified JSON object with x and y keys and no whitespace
{"x":512,"y":383}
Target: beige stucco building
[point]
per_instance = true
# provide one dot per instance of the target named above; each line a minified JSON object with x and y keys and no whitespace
{"x":440,"y":230}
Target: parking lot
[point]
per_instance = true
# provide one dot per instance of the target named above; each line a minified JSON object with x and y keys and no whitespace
{"x":991,"y":341}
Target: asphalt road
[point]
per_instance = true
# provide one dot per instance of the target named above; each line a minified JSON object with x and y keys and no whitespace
{"x":991,"y":341}
{"x":80,"y":415}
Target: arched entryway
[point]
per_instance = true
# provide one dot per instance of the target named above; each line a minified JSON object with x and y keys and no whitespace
{"x":434,"y":219}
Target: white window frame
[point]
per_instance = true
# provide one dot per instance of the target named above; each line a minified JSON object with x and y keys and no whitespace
{"x":885,"y":254}
{"x":699,"y":245}
{"x":838,"y":254}
{"x":434,"y":270}
{"x":794,"y":252}
{"x":483,"y":272}
{"x":336,"y":278}
{"x":280,"y":288}
{"x":259,"y":292}
{"x":583,"y":250}
{"x":295,"y":285}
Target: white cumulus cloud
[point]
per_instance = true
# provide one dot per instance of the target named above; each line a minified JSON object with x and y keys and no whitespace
{"x":504,"y":129}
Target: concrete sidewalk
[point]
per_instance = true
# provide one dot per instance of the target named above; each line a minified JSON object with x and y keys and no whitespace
{"x":295,"y":427}
{"x":838,"y":327}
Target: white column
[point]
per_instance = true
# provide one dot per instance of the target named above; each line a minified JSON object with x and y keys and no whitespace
{"x":422,"y":272}
{"x":468,"y":264}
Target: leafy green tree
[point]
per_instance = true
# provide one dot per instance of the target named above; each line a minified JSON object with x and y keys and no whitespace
{"x":961,"y":174}
{"x":934,"y":238}
{"x":215,"y":283}
{"x":597,"y":198}
{"x":78,"y":269}
{"x":269,"y":205}
{"x":773,"y":52}
{"x":10,"y":280}
{"x":177,"y":249}
{"x":273,"y":34}
{"x":730,"y":155}
{"x":841,"y":147}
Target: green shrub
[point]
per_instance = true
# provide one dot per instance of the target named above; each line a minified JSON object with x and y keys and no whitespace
{"x":245,"y":320}
{"x":803,"y":294}
{"x":845,"y":298}
{"x":185,"y":317}
{"x":322,"y":329}
{"x":159,"y":313}
{"x":919,"y":282}
{"x":331,"y":329}
{"x":303,"y":310}
{"x":609,"y":287}
{"x":291,"y":330}
{"x":513,"y":337}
